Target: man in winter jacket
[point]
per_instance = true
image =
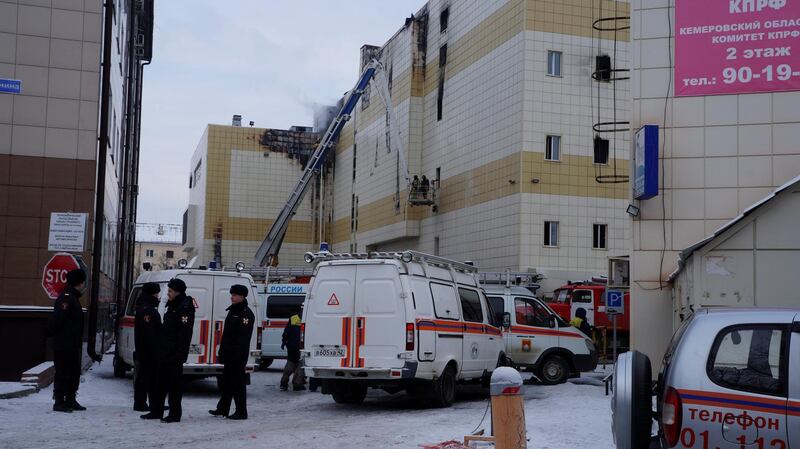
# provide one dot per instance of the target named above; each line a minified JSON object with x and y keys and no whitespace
{"x":147,"y":328}
{"x":176,"y":337}
{"x":581,"y":322}
{"x":66,"y":328}
{"x":291,"y":341}
{"x":234,"y":350}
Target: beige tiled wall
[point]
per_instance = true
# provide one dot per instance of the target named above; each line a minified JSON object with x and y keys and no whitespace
{"x":720,"y":155}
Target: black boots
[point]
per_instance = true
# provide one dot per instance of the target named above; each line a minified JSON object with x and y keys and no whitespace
{"x":60,"y":405}
{"x":73,"y":404}
{"x":217,"y":413}
{"x":238,"y":415}
{"x":66,"y":403}
{"x":141,"y":408}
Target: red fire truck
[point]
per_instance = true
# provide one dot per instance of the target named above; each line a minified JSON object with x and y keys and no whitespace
{"x":591,"y":296}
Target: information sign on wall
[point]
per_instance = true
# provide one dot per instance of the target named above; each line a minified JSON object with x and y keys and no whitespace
{"x":736,"y":46}
{"x":645,"y":177}
{"x":67,"y":232}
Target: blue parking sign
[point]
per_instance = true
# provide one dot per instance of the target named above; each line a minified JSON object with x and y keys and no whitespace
{"x":615,"y":302}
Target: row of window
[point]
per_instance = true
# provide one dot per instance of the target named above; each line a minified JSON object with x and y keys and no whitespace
{"x":152,"y":252}
{"x":552,"y":149}
{"x":599,"y":235}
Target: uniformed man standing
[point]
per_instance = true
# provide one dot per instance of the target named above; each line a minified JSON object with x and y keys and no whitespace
{"x":234,"y":350}
{"x":67,"y":331}
{"x":146,"y":335}
{"x":176,"y":337}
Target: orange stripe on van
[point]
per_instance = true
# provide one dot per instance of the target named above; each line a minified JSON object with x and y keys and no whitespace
{"x":346,"y":322}
{"x":127,"y":321}
{"x":217,"y":335}
{"x":360,"y":339}
{"x":202,"y":357}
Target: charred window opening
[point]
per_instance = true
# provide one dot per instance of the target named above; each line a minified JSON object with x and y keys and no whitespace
{"x":444,"y":17}
{"x":365,"y":97}
{"x":440,"y":93}
{"x":601,"y":150}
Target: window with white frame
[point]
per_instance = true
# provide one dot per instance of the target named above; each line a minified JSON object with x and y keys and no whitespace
{"x":552,"y":150}
{"x":550,"y":233}
{"x":553,"y":63}
{"x":149,"y":253}
{"x":599,"y":236}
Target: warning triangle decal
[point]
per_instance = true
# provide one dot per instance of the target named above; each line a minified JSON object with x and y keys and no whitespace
{"x":334,"y":301}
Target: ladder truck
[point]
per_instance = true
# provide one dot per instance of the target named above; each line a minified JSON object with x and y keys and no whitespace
{"x":267,"y":254}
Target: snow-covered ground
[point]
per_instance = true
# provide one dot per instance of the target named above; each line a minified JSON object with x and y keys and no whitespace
{"x":574,"y":416}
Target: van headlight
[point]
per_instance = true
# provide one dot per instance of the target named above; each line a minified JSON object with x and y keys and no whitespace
{"x":589,"y":345}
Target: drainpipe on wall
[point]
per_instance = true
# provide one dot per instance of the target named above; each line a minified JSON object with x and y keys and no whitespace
{"x":100,"y":183}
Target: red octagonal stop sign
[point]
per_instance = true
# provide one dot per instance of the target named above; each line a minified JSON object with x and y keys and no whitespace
{"x":54,"y":278}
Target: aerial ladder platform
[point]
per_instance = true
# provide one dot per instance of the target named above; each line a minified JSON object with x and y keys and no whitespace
{"x":267,"y":254}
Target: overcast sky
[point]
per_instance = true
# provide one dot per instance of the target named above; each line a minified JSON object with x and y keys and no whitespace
{"x":269,"y":60}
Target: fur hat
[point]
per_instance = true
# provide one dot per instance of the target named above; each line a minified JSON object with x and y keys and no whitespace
{"x":151,"y":288}
{"x":177,"y":284}
{"x":239,"y":289}
{"x":76,"y":277}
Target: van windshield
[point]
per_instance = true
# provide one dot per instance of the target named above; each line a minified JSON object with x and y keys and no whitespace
{"x":284,"y":306}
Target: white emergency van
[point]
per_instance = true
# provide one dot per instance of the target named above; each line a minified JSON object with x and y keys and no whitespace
{"x":211,"y":293}
{"x":279,"y":302}
{"x":397,"y":321}
{"x":537,"y":339}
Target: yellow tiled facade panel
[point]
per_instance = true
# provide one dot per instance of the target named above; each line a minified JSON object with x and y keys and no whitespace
{"x":572,"y":176}
{"x":221,"y":141}
{"x":575,"y":17}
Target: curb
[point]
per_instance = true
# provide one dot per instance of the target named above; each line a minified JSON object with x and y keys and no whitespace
{"x":23,"y":391}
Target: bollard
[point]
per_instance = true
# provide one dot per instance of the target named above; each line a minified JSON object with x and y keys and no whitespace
{"x":508,"y":409}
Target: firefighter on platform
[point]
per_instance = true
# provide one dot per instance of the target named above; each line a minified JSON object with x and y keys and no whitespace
{"x":146,"y":333}
{"x":176,"y":337}
{"x":234,"y":350}
{"x":66,"y":328}
{"x":291,"y":341}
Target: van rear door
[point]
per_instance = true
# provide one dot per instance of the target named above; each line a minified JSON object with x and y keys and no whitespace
{"x":221,"y":302}
{"x":201,"y":289}
{"x":380,"y":317}
{"x":329,"y":316}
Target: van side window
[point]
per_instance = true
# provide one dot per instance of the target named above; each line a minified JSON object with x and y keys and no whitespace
{"x":562,"y":296}
{"x":471,"y":305}
{"x":283,"y":306}
{"x":498,"y":309}
{"x":445,"y":304}
{"x":531,"y":313}
{"x":130,"y":309}
{"x":750,"y":358}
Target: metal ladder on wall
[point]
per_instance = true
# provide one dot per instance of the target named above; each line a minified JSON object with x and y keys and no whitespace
{"x":268,"y":251}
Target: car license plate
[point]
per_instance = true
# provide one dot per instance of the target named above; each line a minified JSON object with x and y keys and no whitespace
{"x":329,"y":352}
{"x":195,"y":349}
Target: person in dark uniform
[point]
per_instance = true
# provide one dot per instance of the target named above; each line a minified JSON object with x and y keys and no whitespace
{"x":146,"y":334}
{"x":234,"y":350}
{"x":425,"y":184}
{"x":176,"y":337}
{"x":66,"y":328}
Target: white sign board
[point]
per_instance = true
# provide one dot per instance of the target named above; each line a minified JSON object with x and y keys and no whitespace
{"x":67,"y":232}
